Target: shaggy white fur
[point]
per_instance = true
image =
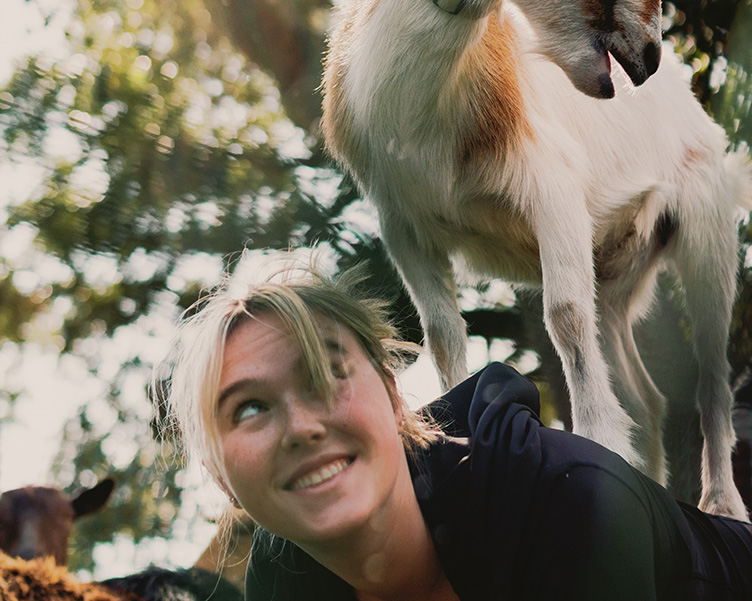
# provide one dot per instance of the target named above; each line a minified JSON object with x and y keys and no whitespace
{"x":484,"y":160}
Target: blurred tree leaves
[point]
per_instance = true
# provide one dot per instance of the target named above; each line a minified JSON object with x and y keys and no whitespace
{"x":731,"y":107}
{"x":699,"y":31}
{"x":732,"y":104}
{"x":162,"y":150}
{"x":176,"y":133}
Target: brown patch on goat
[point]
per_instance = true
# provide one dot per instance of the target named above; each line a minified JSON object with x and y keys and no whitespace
{"x":496,"y":109}
{"x":495,"y":237}
{"x":568,"y":327}
{"x":621,"y":248}
{"x":372,"y":7}
{"x":618,"y":250}
{"x":694,"y":157}
{"x":337,"y":120}
{"x":600,"y":14}
{"x":649,"y":9}
{"x":337,"y":124}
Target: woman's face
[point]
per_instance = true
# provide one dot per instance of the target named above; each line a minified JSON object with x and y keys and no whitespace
{"x":304,"y":470}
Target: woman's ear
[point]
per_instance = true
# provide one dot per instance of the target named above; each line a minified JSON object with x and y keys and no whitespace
{"x":400,"y":423}
{"x":225,"y":488}
{"x":399,"y":418}
{"x":230,"y":496}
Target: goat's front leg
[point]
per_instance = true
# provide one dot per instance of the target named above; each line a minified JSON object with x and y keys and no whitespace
{"x":564,"y":232}
{"x":429,"y":279}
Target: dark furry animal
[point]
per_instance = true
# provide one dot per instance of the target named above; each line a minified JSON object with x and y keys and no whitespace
{"x":159,"y":584}
{"x":42,"y":580}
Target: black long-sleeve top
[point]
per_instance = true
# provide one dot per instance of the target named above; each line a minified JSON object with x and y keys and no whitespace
{"x":521,"y":512}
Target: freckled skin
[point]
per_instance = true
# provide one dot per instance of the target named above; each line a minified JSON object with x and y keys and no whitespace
{"x":291,"y":432}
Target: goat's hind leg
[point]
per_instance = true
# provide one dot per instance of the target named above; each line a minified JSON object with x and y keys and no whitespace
{"x":627,"y":263}
{"x":706,"y":259}
{"x":634,"y":387}
{"x":429,"y":278}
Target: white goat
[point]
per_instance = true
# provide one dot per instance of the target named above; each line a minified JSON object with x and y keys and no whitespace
{"x":484,"y":160}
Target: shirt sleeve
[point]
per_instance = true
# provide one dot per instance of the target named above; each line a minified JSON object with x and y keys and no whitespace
{"x":593,"y":542}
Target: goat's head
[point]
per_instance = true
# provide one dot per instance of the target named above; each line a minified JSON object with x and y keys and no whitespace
{"x":579,"y":35}
{"x":36,"y":521}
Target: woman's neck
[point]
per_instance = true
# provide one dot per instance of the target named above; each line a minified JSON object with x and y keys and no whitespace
{"x":392,"y":558}
{"x":405,"y":569}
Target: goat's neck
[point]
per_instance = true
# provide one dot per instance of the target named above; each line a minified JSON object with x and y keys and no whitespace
{"x":409,"y":60}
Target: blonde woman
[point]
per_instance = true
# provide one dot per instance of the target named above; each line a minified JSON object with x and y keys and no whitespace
{"x":286,"y":391}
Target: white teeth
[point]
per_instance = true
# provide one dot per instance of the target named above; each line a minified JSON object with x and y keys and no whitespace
{"x":320,"y":475}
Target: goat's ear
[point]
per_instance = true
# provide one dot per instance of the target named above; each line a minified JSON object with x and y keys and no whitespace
{"x":92,"y":499}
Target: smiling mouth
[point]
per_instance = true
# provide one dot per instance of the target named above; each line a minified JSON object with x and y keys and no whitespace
{"x":320,"y":475}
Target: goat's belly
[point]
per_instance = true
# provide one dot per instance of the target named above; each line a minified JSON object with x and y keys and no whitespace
{"x":499,"y":247}
{"x":478,"y":260}
{"x":485,"y":234}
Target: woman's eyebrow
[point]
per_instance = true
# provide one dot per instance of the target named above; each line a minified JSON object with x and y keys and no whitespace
{"x":332,"y":344}
{"x":234,"y":387}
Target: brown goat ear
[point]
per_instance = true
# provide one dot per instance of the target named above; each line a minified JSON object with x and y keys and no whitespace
{"x":92,"y":499}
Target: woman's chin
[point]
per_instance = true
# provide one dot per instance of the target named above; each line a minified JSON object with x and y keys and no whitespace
{"x":334,"y":523}
{"x":337,"y":518}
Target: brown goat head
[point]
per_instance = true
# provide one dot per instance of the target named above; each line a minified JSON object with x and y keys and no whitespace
{"x":37,"y":521}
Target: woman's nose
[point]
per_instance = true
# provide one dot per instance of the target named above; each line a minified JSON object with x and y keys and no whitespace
{"x":304,"y":423}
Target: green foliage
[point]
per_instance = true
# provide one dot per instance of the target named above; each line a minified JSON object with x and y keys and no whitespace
{"x":699,"y":32}
{"x":159,"y":143}
{"x":147,"y":494}
{"x":732,"y":104}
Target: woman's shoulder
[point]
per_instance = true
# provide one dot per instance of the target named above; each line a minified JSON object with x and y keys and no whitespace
{"x":458,"y":410}
{"x":510,"y":459}
{"x":497,"y":410}
{"x":522,"y":490}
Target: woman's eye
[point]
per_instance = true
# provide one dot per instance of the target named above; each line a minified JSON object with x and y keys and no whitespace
{"x":248,"y":409}
{"x":339,"y":370}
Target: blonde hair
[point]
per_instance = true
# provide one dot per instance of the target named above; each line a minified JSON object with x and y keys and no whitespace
{"x":300,"y":296}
